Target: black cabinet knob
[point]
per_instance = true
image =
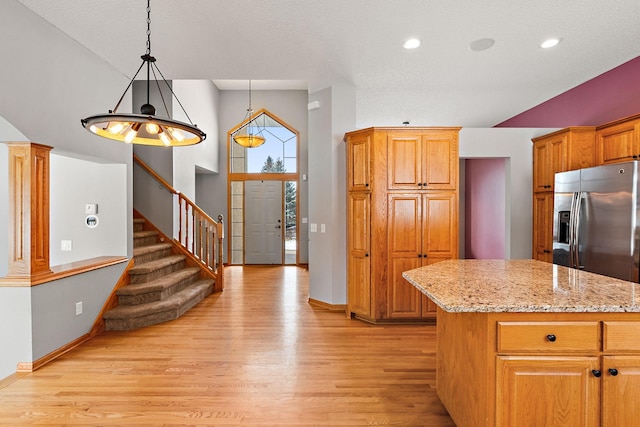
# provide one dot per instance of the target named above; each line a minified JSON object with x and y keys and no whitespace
{"x":551,"y":337}
{"x":424,"y":183}
{"x":613,"y":372}
{"x":596,"y":373}
{"x":419,"y":184}
{"x":366,"y":255}
{"x":366,"y":185}
{"x":419,"y":255}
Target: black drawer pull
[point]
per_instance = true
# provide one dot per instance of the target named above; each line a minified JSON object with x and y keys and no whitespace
{"x":596,"y":373}
{"x":551,"y":337}
{"x":613,"y":372}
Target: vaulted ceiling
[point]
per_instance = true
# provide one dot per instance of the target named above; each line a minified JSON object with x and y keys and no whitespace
{"x":313,"y":44}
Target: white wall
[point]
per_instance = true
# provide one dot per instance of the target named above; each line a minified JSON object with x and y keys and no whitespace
{"x":516,"y":146}
{"x":74,"y":183}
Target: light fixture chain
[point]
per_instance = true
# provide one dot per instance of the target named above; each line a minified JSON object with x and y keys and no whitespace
{"x":148,"y":27}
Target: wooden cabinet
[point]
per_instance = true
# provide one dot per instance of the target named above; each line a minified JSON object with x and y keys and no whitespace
{"x":422,"y":161}
{"x":547,"y":391}
{"x":422,"y":230}
{"x":539,"y":369}
{"x":402,"y":213}
{"x":567,"y":149}
{"x":618,"y":141}
{"x":543,"y":226}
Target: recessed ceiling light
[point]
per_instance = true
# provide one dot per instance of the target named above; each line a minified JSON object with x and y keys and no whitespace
{"x":482,"y":44}
{"x":549,"y":43}
{"x":411,"y":44}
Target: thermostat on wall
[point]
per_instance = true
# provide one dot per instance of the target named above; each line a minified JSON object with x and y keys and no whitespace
{"x":91,"y":221}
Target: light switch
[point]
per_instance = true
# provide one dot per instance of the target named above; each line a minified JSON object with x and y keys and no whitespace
{"x":304,"y":220}
{"x":313,"y":228}
{"x":65,"y":245}
{"x":91,"y":208}
{"x":322,"y":228}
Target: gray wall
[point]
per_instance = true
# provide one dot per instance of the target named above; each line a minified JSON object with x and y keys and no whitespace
{"x":288,"y":105}
{"x":74,"y":183}
{"x":327,"y":184}
{"x":44,"y":97}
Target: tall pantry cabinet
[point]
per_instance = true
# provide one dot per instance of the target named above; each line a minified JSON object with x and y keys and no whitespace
{"x":402,"y":213}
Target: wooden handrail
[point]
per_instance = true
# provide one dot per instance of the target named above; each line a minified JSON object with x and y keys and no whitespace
{"x":199,"y":234}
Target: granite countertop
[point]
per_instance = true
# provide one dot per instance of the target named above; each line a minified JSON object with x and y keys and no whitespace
{"x":521,"y":286}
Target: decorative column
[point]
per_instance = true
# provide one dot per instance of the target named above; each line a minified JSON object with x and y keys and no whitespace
{"x":28,"y":212}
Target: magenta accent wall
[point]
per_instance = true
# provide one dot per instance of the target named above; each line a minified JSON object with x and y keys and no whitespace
{"x":485,"y":193}
{"x":607,"y":97}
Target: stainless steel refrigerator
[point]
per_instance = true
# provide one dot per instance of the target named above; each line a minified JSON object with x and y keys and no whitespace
{"x":595,"y":220}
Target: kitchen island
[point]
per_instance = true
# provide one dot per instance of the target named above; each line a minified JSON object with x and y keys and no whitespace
{"x":528,"y":343}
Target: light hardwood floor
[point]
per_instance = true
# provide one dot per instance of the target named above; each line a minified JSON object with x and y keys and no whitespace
{"x":256,"y":354}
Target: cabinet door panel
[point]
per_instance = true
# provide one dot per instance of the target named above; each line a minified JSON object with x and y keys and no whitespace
{"x":359,"y":163}
{"x":405,"y":253}
{"x":404,"y":162}
{"x":617,"y":143}
{"x":359,"y":259}
{"x":543,"y":226}
{"x":540,"y":166}
{"x":405,"y":301}
{"x":620,"y":406}
{"x":440,"y":221}
{"x":440,"y":162}
{"x":547,"y":391}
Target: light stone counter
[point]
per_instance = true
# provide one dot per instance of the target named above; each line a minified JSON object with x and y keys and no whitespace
{"x":521,"y":286}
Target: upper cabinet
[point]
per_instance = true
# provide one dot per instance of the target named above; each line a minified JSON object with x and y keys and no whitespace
{"x":424,"y":161}
{"x":359,"y":161}
{"x":567,"y":149}
{"x":618,"y":141}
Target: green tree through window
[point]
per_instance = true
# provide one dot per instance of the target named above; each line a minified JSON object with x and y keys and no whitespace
{"x":277,"y":166}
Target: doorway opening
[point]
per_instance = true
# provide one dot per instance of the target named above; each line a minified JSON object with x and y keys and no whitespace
{"x":263,"y":183}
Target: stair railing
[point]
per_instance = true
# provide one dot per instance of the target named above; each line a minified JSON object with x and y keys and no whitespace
{"x":194,"y":230}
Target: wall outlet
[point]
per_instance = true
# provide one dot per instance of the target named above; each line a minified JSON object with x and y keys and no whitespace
{"x":65,"y":245}
{"x":78,"y":308}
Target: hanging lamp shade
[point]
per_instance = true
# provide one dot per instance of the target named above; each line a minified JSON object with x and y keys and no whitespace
{"x":145,"y":128}
{"x":248,"y":134}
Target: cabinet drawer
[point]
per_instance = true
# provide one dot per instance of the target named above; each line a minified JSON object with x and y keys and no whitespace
{"x":548,"y":337}
{"x":621,"y":337}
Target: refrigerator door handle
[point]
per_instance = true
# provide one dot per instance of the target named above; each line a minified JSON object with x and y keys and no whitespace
{"x":576,"y":234}
{"x":572,"y":230}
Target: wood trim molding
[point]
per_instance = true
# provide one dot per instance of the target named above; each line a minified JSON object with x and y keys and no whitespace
{"x":99,"y":324}
{"x":32,"y":366}
{"x":28,"y":210}
{"x":326,"y":306}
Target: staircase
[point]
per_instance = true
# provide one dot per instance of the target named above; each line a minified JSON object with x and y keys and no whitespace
{"x":162,"y":287}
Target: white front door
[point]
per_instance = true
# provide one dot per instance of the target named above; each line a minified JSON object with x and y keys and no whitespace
{"x":263,"y":222}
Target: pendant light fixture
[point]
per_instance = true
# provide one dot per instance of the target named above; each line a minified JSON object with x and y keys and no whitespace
{"x":247,"y":135}
{"x":146,"y":128}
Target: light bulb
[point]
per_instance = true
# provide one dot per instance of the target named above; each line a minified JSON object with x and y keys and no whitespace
{"x":165,"y":139}
{"x":176,"y":134}
{"x":130,"y":136}
{"x":115,"y":127}
{"x":152,"y":128}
